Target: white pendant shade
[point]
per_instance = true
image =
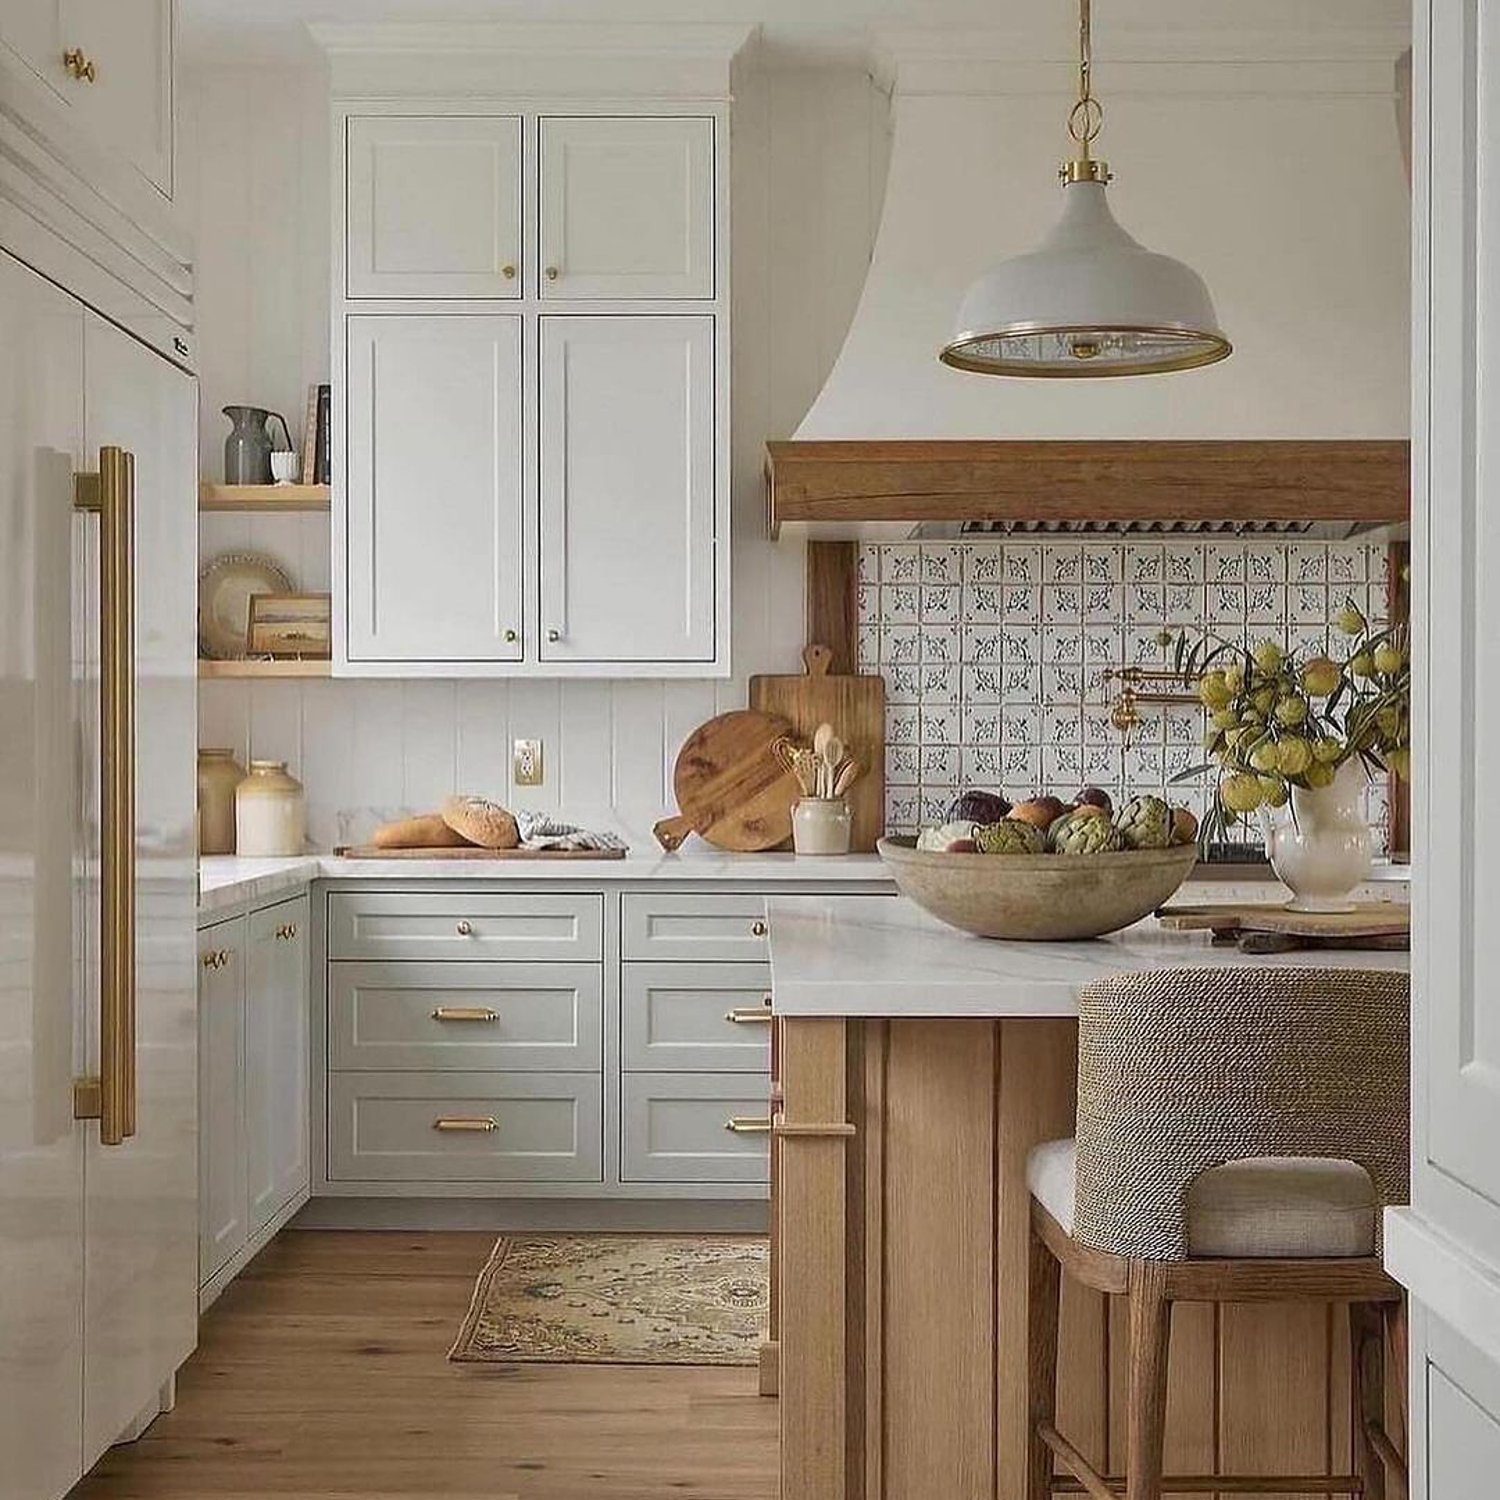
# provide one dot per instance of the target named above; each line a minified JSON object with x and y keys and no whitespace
{"x":1088,"y":302}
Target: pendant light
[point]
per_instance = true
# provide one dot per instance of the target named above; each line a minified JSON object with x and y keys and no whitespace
{"x":1089,"y":301}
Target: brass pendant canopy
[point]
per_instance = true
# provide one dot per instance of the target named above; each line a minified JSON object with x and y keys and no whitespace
{"x":1090,"y":301}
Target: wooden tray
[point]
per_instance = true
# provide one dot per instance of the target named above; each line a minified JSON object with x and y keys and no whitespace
{"x":1274,"y":929}
{"x":459,"y":851}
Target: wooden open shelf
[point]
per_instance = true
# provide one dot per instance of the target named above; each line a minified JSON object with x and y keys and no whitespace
{"x":267,"y":498}
{"x":288,"y":668}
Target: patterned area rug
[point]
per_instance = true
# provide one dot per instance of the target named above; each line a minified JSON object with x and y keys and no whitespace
{"x":619,"y":1299}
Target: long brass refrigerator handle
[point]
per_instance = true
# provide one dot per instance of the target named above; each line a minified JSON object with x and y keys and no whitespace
{"x":111,"y":1097}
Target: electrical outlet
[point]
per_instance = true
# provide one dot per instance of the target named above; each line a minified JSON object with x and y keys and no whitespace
{"x":526,"y":763}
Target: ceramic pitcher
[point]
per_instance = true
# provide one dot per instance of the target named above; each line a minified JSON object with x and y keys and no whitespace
{"x":1322,"y":847}
{"x":247,"y":449}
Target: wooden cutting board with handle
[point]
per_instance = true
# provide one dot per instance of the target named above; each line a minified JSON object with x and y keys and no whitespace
{"x":855,"y":706}
{"x":1270,"y":928}
{"x":730,"y":787}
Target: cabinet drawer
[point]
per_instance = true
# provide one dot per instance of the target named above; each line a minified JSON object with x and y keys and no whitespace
{"x":658,"y":925}
{"x":700,"y":1018}
{"x":408,"y":1127}
{"x":511,"y":1017}
{"x":541,"y":927}
{"x":676,"y":1128}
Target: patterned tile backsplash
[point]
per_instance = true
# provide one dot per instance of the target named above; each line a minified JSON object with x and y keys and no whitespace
{"x":994,"y":653}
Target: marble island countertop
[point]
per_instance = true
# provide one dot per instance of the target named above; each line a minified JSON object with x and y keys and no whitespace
{"x":858,"y":956}
{"x":225,"y":881}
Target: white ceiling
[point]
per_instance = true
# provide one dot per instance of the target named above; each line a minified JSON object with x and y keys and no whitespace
{"x":794,"y":31}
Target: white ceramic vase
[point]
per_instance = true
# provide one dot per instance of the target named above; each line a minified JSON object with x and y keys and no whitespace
{"x":1322,"y":848}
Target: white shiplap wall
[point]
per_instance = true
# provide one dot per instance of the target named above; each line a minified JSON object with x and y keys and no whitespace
{"x":809,"y":170}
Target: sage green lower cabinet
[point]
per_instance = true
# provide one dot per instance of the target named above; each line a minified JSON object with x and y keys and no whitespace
{"x":466,"y":1016}
{"x":691,"y":1127}
{"x":709,"y":1018}
{"x":465,"y":1127}
{"x":253,"y":1083}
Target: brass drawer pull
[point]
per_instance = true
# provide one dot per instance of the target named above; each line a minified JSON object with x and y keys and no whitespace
{"x":813,"y":1130}
{"x":750,"y":1015}
{"x":476,"y":1124}
{"x":286,"y":932}
{"x":464,"y":1013}
{"x":758,"y":928}
{"x":217,"y":958}
{"x":79,"y":66}
{"x":748,"y":1125}
{"x":464,"y":929}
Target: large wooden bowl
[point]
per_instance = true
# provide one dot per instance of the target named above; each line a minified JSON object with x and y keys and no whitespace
{"x":1038,"y":897}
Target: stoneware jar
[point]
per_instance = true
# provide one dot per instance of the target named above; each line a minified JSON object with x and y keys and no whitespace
{"x":270,"y":812}
{"x":821,"y":825}
{"x":1322,"y":849}
{"x":219,"y":773}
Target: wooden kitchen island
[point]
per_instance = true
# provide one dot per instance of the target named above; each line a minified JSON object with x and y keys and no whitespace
{"x":916,"y":1069}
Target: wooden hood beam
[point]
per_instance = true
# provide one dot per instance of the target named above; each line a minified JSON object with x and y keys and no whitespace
{"x":1147,"y":480}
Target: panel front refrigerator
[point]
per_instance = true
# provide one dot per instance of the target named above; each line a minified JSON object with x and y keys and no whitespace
{"x":98,"y":1109}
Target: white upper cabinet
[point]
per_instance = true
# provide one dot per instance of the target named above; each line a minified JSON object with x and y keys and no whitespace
{"x":626,"y":207}
{"x":627,"y":489}
{"x":433,"y":540}
{"x":32,"y":32}
{"x":110,"y":62}
{"x":128,"y":105}
{"x":531,"y":470}
{"x":434,"y":206}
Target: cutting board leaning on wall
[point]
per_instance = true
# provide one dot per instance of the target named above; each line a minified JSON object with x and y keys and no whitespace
{"x":855,"y":706}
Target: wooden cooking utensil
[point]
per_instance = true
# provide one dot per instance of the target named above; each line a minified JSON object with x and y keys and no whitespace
{"x":855,"y":707}
{"x":732,"y":787}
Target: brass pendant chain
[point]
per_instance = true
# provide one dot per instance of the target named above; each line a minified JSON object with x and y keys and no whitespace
{"x":1087,"y":116}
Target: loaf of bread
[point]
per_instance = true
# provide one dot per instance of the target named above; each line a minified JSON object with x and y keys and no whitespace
{"x":482,"y":822}
{"x":428,"y":831}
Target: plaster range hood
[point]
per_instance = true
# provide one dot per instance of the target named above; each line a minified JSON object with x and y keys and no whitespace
{"x":1301,"y":433}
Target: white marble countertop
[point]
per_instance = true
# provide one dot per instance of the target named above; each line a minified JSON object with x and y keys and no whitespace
{"x":225,"y":880}
{"x":864,"y":956}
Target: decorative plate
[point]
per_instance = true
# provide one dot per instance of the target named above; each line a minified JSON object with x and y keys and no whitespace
{"x":224,"y":590}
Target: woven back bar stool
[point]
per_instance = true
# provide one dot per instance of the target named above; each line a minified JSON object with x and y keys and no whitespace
{"x":1239,"y":1131}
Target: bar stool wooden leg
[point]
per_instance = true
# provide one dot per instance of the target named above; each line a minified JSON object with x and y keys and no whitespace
{"x":1043,"y":1291}
{"x":1367,"y":1393}
{"x":1146,"y":1414}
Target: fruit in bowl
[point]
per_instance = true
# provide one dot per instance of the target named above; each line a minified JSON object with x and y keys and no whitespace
{"x":1048,"y":870}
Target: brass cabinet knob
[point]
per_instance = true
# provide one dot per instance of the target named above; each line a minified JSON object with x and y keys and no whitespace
{"x":553,"y":273}
{"x":758,"y":928}
{"x":511,"y":637}
{"x":508,"y":272}
{"x":464,"y":929}
{"x":554,"y":634}
{"x":79,"y":66}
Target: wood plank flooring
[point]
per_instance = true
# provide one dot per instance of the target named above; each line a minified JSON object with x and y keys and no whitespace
{"x":321,"y":1372}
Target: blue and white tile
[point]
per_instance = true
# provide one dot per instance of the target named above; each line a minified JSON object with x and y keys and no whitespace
{"x":1265,"y":563}
{"x":982,"y":643}
{"x":1143,"y":562}
{"x":1103,"y":603}
{"x":1021,"y":724}
{"x":1020,"y":682}
{"x":1103,"y":564}
{"x":940,"y":564}
{"x":867,"y":648}
{"x":982,"y":723}
{"x":981,"y":766}
{"x":1021,"y":645}
{"x":940,"y":643}
{"x":1226,"y":605}
{"x":900,"y":562}
{"x":900,"y":603}
{"x":1062,"y":604}
{"x":1224,"y":562}
{"x":1346,"y":564}
{"x":1183,"y":604}
{"x":942,"y":724}
{"x":1307,"y":604}
{"x":903,"y":684}
{"x":1022,"y":767}
{"x":1062,"y":765}
{"x":902,"y":724}
{"x":936,"y":802}
{"x":1062,"y":562}
{"x":983,"y":563}
{"x":1265,"y":603}
{"x":1063,"y":644}
{"x":902,"y":765}
{"x":940,"y":683}
{"x":1023,"y":562}
{"x":1063,"y":683}
{"x":1142,"y":647}
{"x":867,"y":563}
{"x":1183,"y":563}
{"x":1307,"y":562}
{"x":939,"y":766}
{"x":1145,"y":602}
{"x":900,"y":645}
{"x":903,"y":810}
{"x":1101,"y":763}
{"x":1021,"y":603}
{"x":867,"y":603}
{"x":981,"y":683}
{"x":981,"y":603}
{"x":940,"y":603}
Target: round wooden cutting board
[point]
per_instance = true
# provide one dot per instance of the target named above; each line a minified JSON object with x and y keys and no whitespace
{"x":730,"y":787}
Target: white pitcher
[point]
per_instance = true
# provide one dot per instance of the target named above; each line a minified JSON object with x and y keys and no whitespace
{"x":1322,"y":848}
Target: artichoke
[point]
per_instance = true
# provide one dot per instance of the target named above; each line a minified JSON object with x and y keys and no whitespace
{"x":1145,"y":823}
{"x":1082,"y":832}
{"x":1010,"y":836}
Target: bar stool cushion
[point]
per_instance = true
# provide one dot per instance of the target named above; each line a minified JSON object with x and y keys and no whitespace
{"x":1264,"y":1207}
